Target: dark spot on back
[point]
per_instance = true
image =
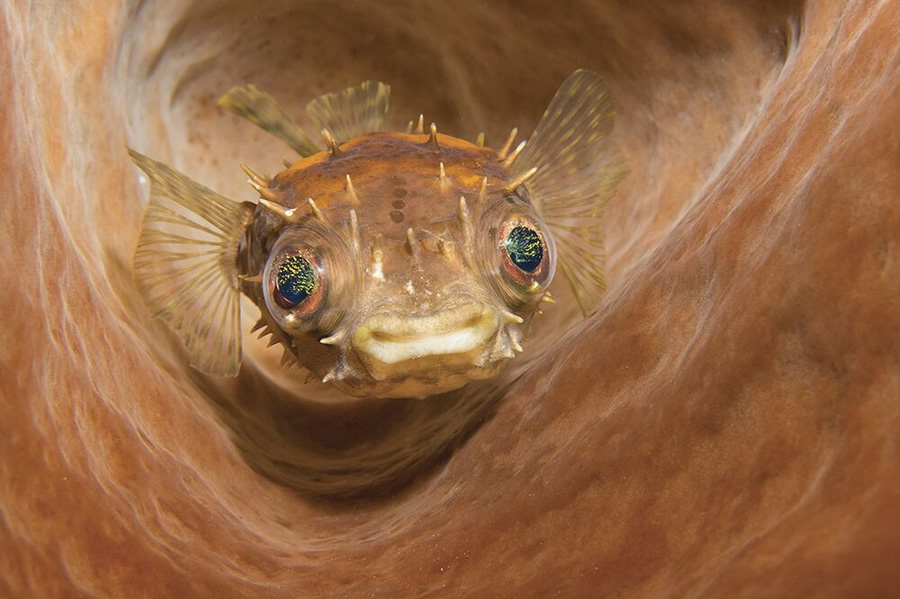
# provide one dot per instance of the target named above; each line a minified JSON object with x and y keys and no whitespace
{"x":398,"y":204}
{"x":396,"y":216}
{"x":399,"y":192}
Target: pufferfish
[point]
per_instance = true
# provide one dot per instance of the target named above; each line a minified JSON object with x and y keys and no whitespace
{"x":388,"y":264}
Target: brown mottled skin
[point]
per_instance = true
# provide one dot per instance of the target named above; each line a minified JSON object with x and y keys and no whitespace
{"x":386,"y":167}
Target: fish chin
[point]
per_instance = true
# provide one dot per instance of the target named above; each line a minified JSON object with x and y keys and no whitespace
{"x":427,"y":354}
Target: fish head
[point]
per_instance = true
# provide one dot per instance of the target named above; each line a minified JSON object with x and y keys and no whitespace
{"x":416,"y":268}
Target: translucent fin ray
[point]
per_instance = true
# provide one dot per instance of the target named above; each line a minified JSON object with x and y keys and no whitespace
{"x":578,"y":167}
{"x":262,"y":110}
{"x":185,"y":265}
{"x":352,"y":112}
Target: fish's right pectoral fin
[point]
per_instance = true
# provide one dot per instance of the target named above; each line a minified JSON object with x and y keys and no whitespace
{"x":261,"y":109}
{"x":185,"y":265}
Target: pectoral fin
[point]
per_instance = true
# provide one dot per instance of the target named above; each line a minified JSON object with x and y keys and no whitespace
{"x":578,"y":167}
{"x":352,"y":112}
{"x":185,"y":265}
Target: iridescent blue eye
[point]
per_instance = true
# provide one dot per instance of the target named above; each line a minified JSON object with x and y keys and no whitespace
{"x":296,"y":280}
{"x":525,"y":248}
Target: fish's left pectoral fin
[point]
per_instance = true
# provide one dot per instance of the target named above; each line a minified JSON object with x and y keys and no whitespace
{"x":261,"y":109}
{"x":352,"y":112}
{"x":185,"y":265}
{"x":577,"y":169}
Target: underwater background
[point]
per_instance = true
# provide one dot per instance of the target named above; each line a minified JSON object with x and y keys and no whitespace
{"x":728,"y":424}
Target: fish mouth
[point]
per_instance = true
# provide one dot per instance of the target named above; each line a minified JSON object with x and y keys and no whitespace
{"x":451,"y":337}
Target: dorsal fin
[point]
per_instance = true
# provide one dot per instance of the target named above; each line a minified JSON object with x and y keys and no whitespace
{"x":578,"y":167}
{"x":352,"y":112}
{"x":185,"y":265}
{"x":261,"y":109}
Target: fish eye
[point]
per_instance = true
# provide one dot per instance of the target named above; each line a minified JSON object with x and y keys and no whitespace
{"x":524,"y":248}
{"x":309,"y":279}
{"x":295,"y":281}
{"x":524,"y":254}
{"x":516,"y":252}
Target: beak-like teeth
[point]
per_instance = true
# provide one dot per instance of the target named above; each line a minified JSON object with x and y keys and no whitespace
{"x":389,"y":338}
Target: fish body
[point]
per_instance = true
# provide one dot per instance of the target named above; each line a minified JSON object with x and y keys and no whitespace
{"x":388,"y":264}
